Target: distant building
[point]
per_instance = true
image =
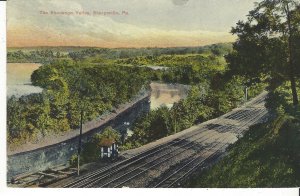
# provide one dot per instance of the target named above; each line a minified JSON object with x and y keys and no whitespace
{"x":108,"y":148}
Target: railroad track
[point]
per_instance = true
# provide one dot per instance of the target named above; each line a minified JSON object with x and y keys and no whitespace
{"x":168,"y":164}
{"x":86,"y":180}
{"x":195,"y":162}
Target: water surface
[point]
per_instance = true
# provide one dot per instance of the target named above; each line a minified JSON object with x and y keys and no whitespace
{"x":18,"y":79}
{"x":167,"y":94}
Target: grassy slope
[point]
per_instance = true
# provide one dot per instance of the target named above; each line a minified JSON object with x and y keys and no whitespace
{"x":267,"y":156}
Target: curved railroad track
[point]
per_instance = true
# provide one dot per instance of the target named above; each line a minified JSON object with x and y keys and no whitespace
{"x":170,"y":163}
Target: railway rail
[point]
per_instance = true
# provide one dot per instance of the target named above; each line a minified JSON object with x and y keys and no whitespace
{"x":170,"y":163}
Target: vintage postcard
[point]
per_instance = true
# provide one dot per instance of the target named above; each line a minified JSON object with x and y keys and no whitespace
{"x":153,"y":94}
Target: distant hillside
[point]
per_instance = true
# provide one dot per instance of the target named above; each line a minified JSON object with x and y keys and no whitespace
{"x":45,"y":54}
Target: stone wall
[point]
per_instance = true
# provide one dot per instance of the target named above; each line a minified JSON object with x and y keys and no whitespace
{"x":49,"y":156}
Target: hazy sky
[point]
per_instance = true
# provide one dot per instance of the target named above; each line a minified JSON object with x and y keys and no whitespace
{"x":140,"y":23}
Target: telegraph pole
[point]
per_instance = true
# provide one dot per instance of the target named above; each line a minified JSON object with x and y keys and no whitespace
{"x":175,"y":121}
{"x":79,"y":143}
{"x":246,"y":93}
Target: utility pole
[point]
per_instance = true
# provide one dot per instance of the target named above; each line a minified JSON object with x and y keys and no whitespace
{"x":175,"y":121}
{"x":79,"y":143}
{"x":246,"y":93}
{"x":124,"y":133}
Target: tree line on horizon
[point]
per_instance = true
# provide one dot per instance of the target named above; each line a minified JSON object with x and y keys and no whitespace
{"x":48,"y":54}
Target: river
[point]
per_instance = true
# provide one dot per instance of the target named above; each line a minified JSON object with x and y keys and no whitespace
{"x":55,"y":150}
{"x":18,"y":84}
{"x":18,"y":79}
{"x":163,"y":94}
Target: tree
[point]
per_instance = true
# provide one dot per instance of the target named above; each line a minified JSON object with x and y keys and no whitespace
{"x":16,"y":122}
{"x":108,"y":134}
{"x":266,"y":44}
{"x":76,"y":56}
{"x":91,"y":150}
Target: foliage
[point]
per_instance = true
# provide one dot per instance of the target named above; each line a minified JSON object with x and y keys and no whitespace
{"x":149,"y":127}
{"x":170,"y":60}
{"x":262,"y":158}
{"x":69,"y":88}
{"x":193,"y":71}
{"x":110,"y":134}
{"x":47,"y":54}
{"x":204,"y":101}
{"x":267,"y":155}
{"x":97,"y":80}
{"x":91,"y":149}
{"x":34,"y":56}
{"x":267,"y":43}
{"x":95,"y":87}
{"x":73,"y":160}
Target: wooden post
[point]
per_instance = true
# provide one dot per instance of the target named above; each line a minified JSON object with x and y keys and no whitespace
{"x":246,"y":93}
{"x":79,"y":143}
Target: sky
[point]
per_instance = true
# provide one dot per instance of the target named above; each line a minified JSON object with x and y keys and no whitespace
{"x":123,"y":23}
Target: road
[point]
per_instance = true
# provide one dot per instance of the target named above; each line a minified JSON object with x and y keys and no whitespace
{"x":169,"y":163}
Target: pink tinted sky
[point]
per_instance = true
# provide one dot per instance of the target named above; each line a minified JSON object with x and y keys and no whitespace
{"x":140,"y":23}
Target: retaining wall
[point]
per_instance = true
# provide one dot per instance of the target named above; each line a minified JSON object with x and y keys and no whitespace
{"x":49,"y":156}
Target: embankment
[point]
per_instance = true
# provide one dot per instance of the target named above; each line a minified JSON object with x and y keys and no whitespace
{"x":41,"y":156}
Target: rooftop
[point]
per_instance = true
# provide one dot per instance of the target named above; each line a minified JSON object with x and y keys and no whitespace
{"x":106,"y":142}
